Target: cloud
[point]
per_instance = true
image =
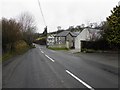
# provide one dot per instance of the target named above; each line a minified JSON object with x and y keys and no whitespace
{"x":60,"y":12}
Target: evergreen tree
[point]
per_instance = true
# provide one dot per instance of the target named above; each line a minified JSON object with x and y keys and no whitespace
{"x":113,"y":33}
{"x":45,"y":31}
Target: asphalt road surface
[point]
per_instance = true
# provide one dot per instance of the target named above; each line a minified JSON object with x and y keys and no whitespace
{"x":44,"y":68}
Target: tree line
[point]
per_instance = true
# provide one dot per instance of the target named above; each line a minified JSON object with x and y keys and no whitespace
{"x":14,"y":30}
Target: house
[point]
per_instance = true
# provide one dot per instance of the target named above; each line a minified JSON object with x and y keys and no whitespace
{"x":73,"y":39}
{"x":66,"y":39}
{"x":87,"y":34}
{"x":50,"y":39}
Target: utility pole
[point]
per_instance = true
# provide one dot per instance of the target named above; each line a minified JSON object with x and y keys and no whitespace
{"x":45,"y":29}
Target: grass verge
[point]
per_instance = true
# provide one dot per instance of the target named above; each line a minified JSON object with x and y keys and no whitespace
{"x":20,"y":49}
{"x":57,"y":48}
{"x":11,"y":54}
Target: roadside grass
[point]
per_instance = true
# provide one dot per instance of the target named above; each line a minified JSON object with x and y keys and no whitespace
{"x":11,"y":54}
{"x":20,"y":48}
{"x":57,"y":48}
{"x":7,"y":56}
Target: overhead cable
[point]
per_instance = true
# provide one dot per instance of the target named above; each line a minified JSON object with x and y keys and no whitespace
{"x":41,"y":12}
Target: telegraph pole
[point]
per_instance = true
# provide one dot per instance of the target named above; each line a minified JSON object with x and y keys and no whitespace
{"x":45,"y":29}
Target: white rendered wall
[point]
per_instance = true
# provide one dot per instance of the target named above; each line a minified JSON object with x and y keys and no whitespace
{"x":83,"y":36}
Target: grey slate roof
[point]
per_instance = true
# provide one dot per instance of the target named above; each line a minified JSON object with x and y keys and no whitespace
{"x":63,"y":34}
{"x":74,"y":34}
{"x":94,"y":30}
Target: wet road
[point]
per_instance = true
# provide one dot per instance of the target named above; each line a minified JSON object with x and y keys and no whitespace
{"x":44,"y":68}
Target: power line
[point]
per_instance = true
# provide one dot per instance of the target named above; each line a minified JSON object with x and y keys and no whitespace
{"x":41,"y":12}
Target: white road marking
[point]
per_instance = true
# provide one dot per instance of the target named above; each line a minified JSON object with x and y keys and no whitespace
{"x":85,"y":84}
{"x":42,"y":52}
{"x":49,"y":58}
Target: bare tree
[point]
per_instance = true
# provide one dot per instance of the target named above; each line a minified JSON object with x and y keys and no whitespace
{"x":82,"y":25}
{"x":59,"y":27}
{"x":10,"y":33}
{"x":91,"y":25}
{"x":95,"y":24}
{"x":27,"y":21}
{"x":28,"y":26}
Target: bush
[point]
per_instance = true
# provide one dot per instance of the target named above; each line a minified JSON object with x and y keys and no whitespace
{"x":20,"y":45}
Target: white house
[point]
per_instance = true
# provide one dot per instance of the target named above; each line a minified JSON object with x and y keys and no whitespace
{"x":87,"y":34}
{"x":50,"y":39}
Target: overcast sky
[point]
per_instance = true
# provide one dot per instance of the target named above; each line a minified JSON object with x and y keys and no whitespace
{"x":62,"y":13}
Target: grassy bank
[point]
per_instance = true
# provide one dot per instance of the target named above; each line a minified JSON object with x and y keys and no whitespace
{"x":57,"y":48}
{"x":20,"y":48}
{"x":11,"y":54}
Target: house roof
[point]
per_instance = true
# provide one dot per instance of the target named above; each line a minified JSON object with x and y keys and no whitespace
{"x":95,"y":33}
{"x":63,"y":34}
{"x":50,"y":36}
{"x":94,"y":30}
{"x":74,"y":34}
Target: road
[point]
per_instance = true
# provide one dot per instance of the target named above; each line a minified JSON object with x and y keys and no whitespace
{"x":43,"y":68}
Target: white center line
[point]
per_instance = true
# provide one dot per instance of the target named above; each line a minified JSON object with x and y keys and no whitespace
{"x":85,"y":84}
{"x":49,"y":58}
{"x":40,"y":48}
{"x":42,"y":52}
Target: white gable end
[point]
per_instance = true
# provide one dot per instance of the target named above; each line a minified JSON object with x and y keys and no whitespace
{"x":86,"y":35}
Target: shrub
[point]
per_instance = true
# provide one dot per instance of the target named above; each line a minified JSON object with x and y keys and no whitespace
{"x":20,"y":46}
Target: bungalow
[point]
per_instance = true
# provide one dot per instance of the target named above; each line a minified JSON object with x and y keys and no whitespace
{"x":86,"y":35}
